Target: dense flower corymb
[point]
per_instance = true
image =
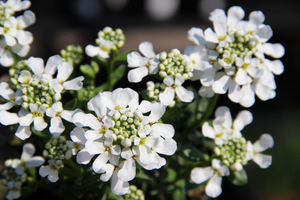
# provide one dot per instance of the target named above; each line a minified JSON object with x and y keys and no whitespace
{"x":121,"y":134}
{"x":232,"y":57}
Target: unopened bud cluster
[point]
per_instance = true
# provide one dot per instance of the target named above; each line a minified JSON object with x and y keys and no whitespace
{"x":242,"y":45}
{"x":233,"y":152}
{"x":72,"y":54}
{"x":116,"y":37}
{"x":175,"y":64}
{"x":125,"y":128}
{"x":154,"y":89}
{"x":58,"y":149}
{"x":15,"y":71}
{"x":12,"y":180}
{"x":134,"y":193}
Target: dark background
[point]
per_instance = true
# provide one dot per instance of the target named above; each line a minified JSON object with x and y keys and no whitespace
{"x":62,"y":22}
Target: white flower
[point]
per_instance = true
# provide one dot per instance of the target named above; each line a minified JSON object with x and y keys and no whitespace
{"x":254,"y":150}
{"x":14,"y":98}
{"x":51,"y":171}
{"x":15,"y":38}
{"x":12,"y":6}
{"x":175,"y":87}
{"x":223,"y":128}
{"x":102,"y":50}
{"x":15,"y":173}
{"x":56,"y":112}
{"x":234,"y":60}
{"x":142,"y":65}
{"x":120,"y":134}
{"x":214,"y":174}
{"x":27,"y":159}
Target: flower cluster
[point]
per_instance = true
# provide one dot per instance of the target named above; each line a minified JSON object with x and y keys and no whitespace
{"x":56,"y":150}
{"x":172,"y":68}
{"x":120,"y":135}
{"x":15,"y":171}
{"x":38,"y":94}
{"x":108,"y":41}
{"x":232,"y":151}
{"x":14,"y":40}
{"x":234,"y":57}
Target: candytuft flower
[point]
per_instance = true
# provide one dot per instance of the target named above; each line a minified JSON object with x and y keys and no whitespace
{"x":121,"y":134}
{"x":231,"y":59}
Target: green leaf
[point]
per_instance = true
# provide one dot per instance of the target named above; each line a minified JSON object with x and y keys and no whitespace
{"x":122,"y":56}
{"x":117,"y":74}
{"x":238,"y":177}
{"x":191,"y":153}
{"x":179,"y":195}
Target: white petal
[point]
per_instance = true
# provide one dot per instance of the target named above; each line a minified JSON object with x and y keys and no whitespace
{"x":27,"y":19}
{"x":184,"y":94}
{"x":147,"y":49}
{"x":36,"y":65}
{"x":39,"y":123}
{"x":6,"y":58}
{"x":123,"y":97}
{"x":169,"y":80}
{"x":28,"y":151}
{"x":91,"y":50}
{"x":136,"y":75}
{"x":164,"y":130}
{"x":7,"y":118}
{"x":256,"y":17}
{"x":24,"y":37}
{"x":94,"y":147}
{"x":196,"y":35}
{"x":109,"y":169}
{"x":146,"y":155}
{"x":219,"y":20}
{"x":51,"y":65}
{"x":128,"y":170}
{"x":100,"y":161}
{"x":91,"y":121}
{"x":241,"y":76}
{"x":276,"y":67}
{"x":23,"y":132}
{"x":208,"y":77}
{"x":167,"y":96}
{"x":263,"y":161}
{"x":145,"y":106}
{"x":274,"y":50}
{"x":243,"y":119}
{"x":57,"y":127}
{"x":213,"y":188}
{"x":235,"y":14}
{"x":169,"y":147}
{"x":118,"y":187}
{"x":35,"y":162}
{"x":77,"y":135}
{"x":201,"y":174}
{"x":208,"y":131}
{"x":64,"y":70}
{"x":67,"y":115}
{"x":235,"y":94}
{"x":221,"y":85}
{"x":224,"y":113}
{"x":157,"y":111}
{"x":265,"y":142}
{"x":134,"y":59}
{"x":264,"y":33}
{"x":83,"y":157}
{"x":74,"y":84}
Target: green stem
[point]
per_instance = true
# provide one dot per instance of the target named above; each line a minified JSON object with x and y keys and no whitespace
{"x":110,"y":69}
{"x":210,"y":108}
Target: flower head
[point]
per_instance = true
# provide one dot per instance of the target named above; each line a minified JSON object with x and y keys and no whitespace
{"x":108,"y":41}
{"x":121,"y":134}
{"x":231,"y":59}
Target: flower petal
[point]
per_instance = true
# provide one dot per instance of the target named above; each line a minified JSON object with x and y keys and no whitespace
{"x":57,"y":127}
{"x":184,"y":94}
{"x":100,"y":161}
{"x":7,"y":118}
{"x":83,"y":157}
{"x":201,"y":174}
{"x":265,"y":142}
{"x":242,"y":119}
{"x":164,"y":130}
{"x":167,"y":96}
{"x":263,"y":161}
{"x":147,"y":49}
{"x":127,"y":170}
{"x":213,"y":188}
{"x":118,"y":187}
{"x":136,"y":75}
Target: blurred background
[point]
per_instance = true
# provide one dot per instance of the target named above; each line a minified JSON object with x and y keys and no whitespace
{"x":165,"y":23}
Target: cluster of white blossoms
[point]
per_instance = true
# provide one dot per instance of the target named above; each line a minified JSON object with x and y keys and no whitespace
{"x":234,"y":58}
{"x":15,"y":173}
{"x":232,"y":151}
{"x":173,"y":68}
{"x":14,"y":40}
{"x":108,"y":41}
{"x":56,"y":151}
{"x":122,"y":133}
{"x":38,"y":94}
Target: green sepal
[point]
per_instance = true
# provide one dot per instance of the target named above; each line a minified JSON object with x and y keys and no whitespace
{"x":238,"y":177}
